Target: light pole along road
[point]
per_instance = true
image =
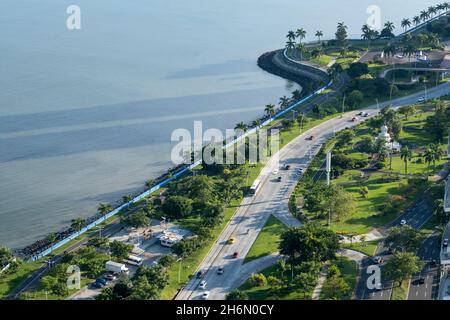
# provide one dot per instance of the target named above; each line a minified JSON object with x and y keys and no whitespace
{"x":272,"y":198}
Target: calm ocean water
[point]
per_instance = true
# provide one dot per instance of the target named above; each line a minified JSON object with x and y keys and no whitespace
{"x":86,"y":116}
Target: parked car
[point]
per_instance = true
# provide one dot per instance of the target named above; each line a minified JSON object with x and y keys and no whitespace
{"x":421,"y":280}
{"x":199,"y":274}
{"x":220,"y":271}
{"x":236,"y":255}
{"x":231,"y":240}
{"x":310,"y":138}
{"x":403,"y":222}
{"x":202,"y":284}
{"x":287,"y":167}
{"x":377,"y":260}
{"x":354,"y":119}
{"x":445,"y":243}
{"x":110,"y":277}
{"x":421,"y":99}
{"x":100,"y":283}
{"x":279,"y":179}
{"x":205,"y":295}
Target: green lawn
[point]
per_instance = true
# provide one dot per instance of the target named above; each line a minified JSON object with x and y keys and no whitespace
{"x":400,"y":292}
{"x":367,"y":248}
{"x":365,"y":215}
{"x":322,"y":60}
{"x":10,"y":281}
{"x":267,"y":241}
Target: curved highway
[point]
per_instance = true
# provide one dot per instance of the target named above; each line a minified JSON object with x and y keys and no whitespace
{"x":272,"y":198}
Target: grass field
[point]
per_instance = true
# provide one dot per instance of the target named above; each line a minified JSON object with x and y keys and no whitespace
{"x":400,"y":292}
{"x":267,"y":241}
{"x":367,"y":247}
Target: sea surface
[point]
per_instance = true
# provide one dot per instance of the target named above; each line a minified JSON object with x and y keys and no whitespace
{"x":86,"y":115}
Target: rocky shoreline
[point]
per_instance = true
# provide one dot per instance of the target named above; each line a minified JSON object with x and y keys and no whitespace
{"x":308,"y":77}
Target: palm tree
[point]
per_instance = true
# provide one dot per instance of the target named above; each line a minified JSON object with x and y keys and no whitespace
{"x":127,"y":198}
{"x":366,"y":34}
{"x":296,"y":95}
{"x":270,"y":110}
{"x":301,"y":34}
{"x":416,"y":20}
{"x":290,"y":44}
{"x":149,"y":183}
{"x":51,"y":238}
{"x":291,"y":35}
{"x":409,"y":51}
{"x":446,"y":6}
{"x":406,"y":23}
{"x":256,"y":123}
{"x":319,"y":34}
{"x":301,"y":48}
{"x":405,"y":155}
{"x":432,"y":11}
{"x":424,"y":15}
{"x":437,"y":153}
{"x":104,"y":209}
{"x":440,"y":7}
{"x":390,"y":51}
{"x":428,"y":156}
{"x":284,"y":102}
{"x":241,"y":126}
{"x":78,"y":224}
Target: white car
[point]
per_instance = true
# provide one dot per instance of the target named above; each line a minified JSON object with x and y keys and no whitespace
{"x":202,"y":285}
{"x":421,"y":99}
{"x":205,"y":295}
{"x":403,"y":222}
{"x":275,"y":171}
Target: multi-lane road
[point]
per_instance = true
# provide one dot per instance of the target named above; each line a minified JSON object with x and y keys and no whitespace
{"x":272,"y":198}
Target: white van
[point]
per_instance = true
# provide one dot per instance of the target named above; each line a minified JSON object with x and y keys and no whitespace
{"x":133,"y":260}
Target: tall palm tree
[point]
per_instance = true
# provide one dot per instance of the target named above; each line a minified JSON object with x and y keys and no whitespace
{"x":301,"y":34}
{"x":291,"y":35}
{"x":241,"y":126}
{"x":284,"y":102}
{"x":446,"y":6}
{"x":256,"y":123}
{"x":78,"y":224}
{"x":440,"y":7}
{"x":416,"y":20}
{"x":424,"y":15}
{"x":296,"y":95}
{"x":437,"y":153}
{"x":51,"y":238}
{"x":149,"y":183}
{"x":405,"y":155}
{"x":270,"y":110}
{"x":104,"y":209}
{"x":319,"y":35}
{"x":409,"y":51}
{"x":428,"y":157}
{"x":390,"y":51}
{"x":127,"y":198}
{"x":301,"y":49}
{"x":406,"y":23}
{"x":290,"y":44}
{"x":432,"y":11}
